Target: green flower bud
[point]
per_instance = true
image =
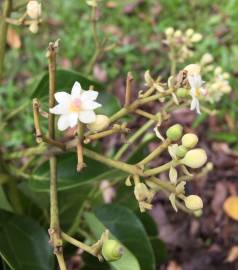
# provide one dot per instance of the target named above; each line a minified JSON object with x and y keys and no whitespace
{"x":174,"y":133}
{"x":181,"y":151}
{"x":182,"y":92}
{"x":189,"y":140}
{"x":195,"y":158}
{"x":112,"y":250}
{"x":101,"y":122}
{"x":193,"y":202}
{"x":198,"y":213}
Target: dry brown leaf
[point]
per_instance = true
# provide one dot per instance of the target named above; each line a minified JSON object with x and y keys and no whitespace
{"x":13,"y":38}
{"x":230,"y":207}
{"x":232,"y":255}
{"x":173,"y":266}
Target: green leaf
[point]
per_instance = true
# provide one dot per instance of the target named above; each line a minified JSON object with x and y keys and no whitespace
{"x":223,"y":136}
{"x":4,"y":203}
{"x":128,"y":229}
{"x":152,"y":231}
{"x":24,"y":244}
{"x":65,"y":79}
{"x":128,"y":260}
{"x":69,"y":178}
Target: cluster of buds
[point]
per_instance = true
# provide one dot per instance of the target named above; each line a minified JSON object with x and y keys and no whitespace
{"x":181,"y":44}
{"x":34,"y":12}
{"x":184,"y":155}
{"x":217,"y":84}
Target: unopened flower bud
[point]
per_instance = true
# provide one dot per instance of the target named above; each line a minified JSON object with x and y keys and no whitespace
{"x":189,"y":32}
{"x":207,"y":58}
{"x":196,"y":37}
{"x":33,"y":9}
{"x":101,"y":122}
{"x":193,"y":69}
{"x":181,"y":151}
{"x":112,"y":250}
{"x":169,"y":31}
{"x":218,"y":70}
{"x":182,"y":92}
{"x":33,"y":27}
{"x":174,"y":133}
{"x":189,"y":140}
{"x":178,"y":33}
{"x":197,"y":213}
{"x":141,"y":192}
{"x":193,"y":202}
{"x":195,"y":158}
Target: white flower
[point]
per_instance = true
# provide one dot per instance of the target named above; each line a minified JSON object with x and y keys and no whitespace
{"x":197,"y":90}
{"x":33,"y":9}
{"x":79,"y":106}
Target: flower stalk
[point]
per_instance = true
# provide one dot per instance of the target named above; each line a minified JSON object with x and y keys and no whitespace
{"x":54,"y":231}
{"x":6,"y":11}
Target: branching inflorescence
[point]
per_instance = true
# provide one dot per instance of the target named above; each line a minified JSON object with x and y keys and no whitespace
{"x":78,"y":111}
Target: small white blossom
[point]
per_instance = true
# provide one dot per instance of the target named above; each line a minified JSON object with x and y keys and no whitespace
{"x":34,"y":10}
{"x":74,"y":107}
{"x":197,"y":89}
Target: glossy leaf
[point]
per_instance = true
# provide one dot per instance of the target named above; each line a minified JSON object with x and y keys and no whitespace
{"x":158,"y":245}
{"x":128,"y":260}
{"x":128,"y":229}
{"x":24,"y":244}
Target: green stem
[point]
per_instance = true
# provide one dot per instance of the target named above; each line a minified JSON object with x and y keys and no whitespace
{"x":3,"y":33}
{"x":77,"y":243}
{"x":133,"y":138}
{"x":134,"y":105}
{"x":55,"y":232}
{"x":156,"y":152}
{"x":161,"y":168}
{"x":122,"y":166}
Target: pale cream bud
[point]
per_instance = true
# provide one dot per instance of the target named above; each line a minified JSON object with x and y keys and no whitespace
{"x":196,"y":37}
{"x":189,"y":140}
{"x":33,"y":10}
{"x":195,"y":158}
{"x":101,"y":122}
{"x":226,"y":75}
{"x":141,"y":192}
{"x":33,"y":27}
{"x":189,"y":32}
{"x":193,"y":69}
{"x":218,"y":71}
{"x":193,"y":202}
{"x":207,"y":58}
{"x":169,"y":31}
{"x":178,"y":33}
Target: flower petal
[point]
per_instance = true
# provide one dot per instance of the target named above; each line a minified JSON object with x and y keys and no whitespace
{"x":62,"y":97}
{"x":87,"y":117}
{"x":90,"y":105}
{"x":89,"y":95}
{"x":63,"y":122}
{"x":59,"y":109}
{"x":193,"y":104}
{"x":76,"y":90}
{"x":73,"y":119}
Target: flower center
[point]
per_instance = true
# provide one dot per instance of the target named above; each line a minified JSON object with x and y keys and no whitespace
{"x":75,"y":105}
{"x":197,"y":92}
